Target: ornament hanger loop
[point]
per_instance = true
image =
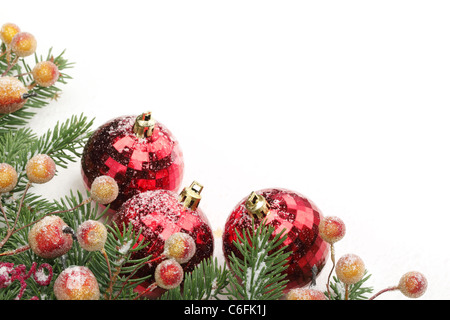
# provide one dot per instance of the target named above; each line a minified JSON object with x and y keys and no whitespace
{"x":144,"y":125}
{"x":257,"y":206}
{"x":190,"y":197}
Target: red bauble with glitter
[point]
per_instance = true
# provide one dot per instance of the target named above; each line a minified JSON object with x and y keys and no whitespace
{"x":282,"y":209}
{"x":138,"y":152}
{"x":158,"y":214}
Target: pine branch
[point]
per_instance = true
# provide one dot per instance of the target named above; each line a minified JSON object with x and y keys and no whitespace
{"x":122,"y":242}
{"x":65,"y":142}
{"x":259,"y":275}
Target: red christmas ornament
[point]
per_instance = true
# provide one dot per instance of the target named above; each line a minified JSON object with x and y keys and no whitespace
{"x":282,"y":209}
{"x":159,"y":214}
{"x":139,"y":153}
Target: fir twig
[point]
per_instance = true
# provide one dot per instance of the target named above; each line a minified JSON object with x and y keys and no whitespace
{"x":259,"y":275}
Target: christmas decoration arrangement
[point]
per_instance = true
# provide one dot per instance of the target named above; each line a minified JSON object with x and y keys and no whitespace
{"x":132,"y":233}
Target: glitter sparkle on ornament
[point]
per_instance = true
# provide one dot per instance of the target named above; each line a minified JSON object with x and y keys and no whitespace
{"x":140,"y":153}
{"x":284,"y":210}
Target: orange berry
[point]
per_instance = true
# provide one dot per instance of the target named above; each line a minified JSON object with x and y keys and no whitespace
{"x":23,"y":44}
{"x":180,"y":246}
{"x":76,"y":283}
{"x":8,"y":177}
{"x":104,"y":189}
{"x":12,"y":92}
{"x":45,"y":73}
{"x":350,"y":269}
{"x":413,"y":284}
{"x":47,"y":238}
{"x":8,"y":31}
{"x":40,"y":169}
{"x":305,"y":294}
{"x":91,"y":235}
{"x":168,"y":274}
{"x":331,"y":229}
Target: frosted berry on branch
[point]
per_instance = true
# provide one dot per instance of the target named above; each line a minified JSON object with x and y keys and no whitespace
{"x":91,"y":235}
{"x":180,"y":246}
{"x":49,"y":238}
{"x":169,"y":274}
{"x":76,"y":283}
{"x":8,"y":31}
{"x":8,"y":177}
{"x":350,"y":268}
{"x":13,"y":94}
{"x":40,"y":169}
{"x":23,"y":44}
{"x":332,"y":229}
{"x":104,"y":189}
{"x":305,"y":294}
{"x":413,"y":284}
{"x":45,"y":73}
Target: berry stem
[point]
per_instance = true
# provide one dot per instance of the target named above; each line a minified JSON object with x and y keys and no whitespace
{"x":103,"y":251}
{"x":332,"y":268}
{"x":15,"y":251}
{"x":383,"y":291}
{"x":56,"y":212}
{"x":12,"y":64}
{"x":4,"y":215}
{"x":346,"y":291}
{"x":12,"y":230}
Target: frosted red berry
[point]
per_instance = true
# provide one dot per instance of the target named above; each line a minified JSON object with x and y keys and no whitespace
{"x":104,"y":189}
{"x":180,"y":246}
{"x":169,"y":274}
{"x":91,"y":235}
{"x":305,"y":294}
{"x":47,"y":238}
{"x":45,"y":73}
{"x":23,"y":44}
{"x":12,"y":92}
{"x":8,"y":177}
{"x":413,"y":284}
{"x":40,"y":169}
{"x":76,"y":283}
{"x":350,"y":268}
{"x":331,"y":229}
{"x":8,"y":31}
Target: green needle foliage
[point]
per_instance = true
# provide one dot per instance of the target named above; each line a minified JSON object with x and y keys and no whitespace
{"x":259,"y":275}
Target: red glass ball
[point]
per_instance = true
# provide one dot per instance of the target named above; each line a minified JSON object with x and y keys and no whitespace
{"x":137,"y":164}
{"x":299,"y":217}
{"x":158,"y":214}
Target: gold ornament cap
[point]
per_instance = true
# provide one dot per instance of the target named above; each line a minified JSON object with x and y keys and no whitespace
{"x":144,"y":125}
{"x":190,"y":196}
{"x":257,"y":205}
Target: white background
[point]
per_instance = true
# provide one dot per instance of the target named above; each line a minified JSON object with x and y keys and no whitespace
{"x":343,"y":101}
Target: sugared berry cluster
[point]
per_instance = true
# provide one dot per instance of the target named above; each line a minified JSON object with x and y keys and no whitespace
{"x":19,"y":44}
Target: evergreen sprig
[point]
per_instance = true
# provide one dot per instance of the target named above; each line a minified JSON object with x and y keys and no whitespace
{"x":259,"y":274}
